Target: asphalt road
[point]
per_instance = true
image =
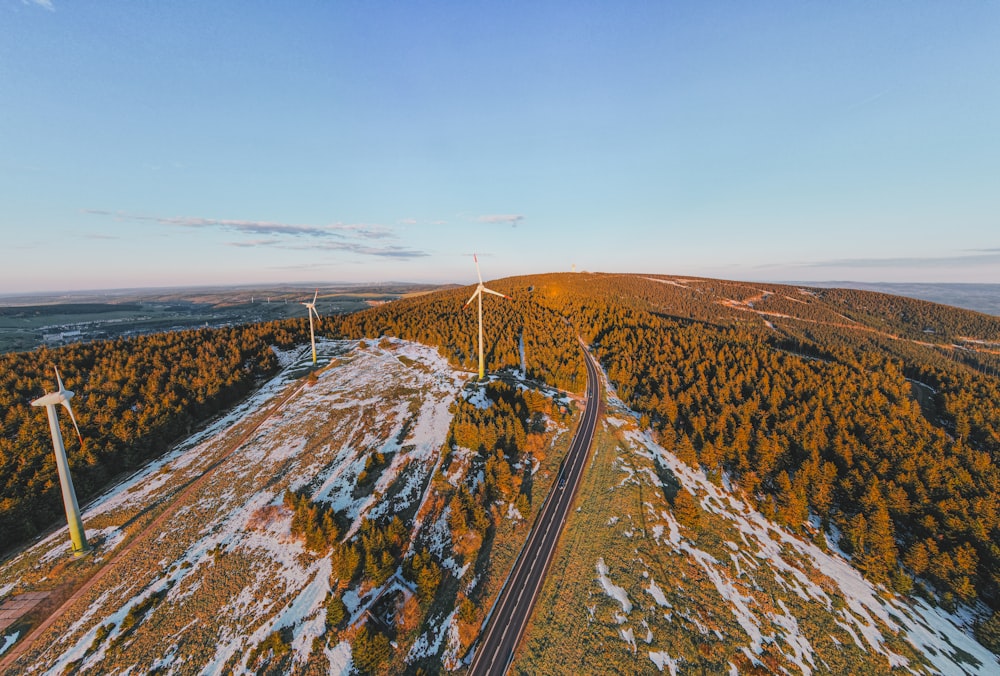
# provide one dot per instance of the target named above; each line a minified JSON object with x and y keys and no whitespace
{"x":512,"y":609}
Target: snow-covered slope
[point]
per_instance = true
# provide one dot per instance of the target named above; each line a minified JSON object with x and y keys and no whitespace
{"x":653,"y":586}
{"x":224,"y":573}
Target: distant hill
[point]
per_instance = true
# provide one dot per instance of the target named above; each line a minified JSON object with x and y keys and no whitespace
{"x":979,"y":297}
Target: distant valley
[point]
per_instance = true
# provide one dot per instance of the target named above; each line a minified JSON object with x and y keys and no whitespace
{"x":28,"y":321}
{"x":978,"y":297}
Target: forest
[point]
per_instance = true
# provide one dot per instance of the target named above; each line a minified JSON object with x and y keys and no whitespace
{"x":893,"y":442}
{"x":486,"y":473}
{"x":872,"y":417}
{"x":134,"y":398}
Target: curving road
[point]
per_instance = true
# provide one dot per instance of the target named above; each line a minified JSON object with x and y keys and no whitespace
{"x":510,"y":613}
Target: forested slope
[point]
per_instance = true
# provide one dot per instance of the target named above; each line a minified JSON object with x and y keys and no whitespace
{"x":879,"y":416}
{"x":133,"y":398}
{"x":812,"y":412}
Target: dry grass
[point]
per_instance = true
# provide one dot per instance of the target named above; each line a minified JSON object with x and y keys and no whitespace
{"x":577,"y":628}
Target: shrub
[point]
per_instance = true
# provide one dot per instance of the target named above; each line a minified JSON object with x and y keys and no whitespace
{"x":336,"y":612}
{"x":988,"y":633}
{"x":371,"y":651}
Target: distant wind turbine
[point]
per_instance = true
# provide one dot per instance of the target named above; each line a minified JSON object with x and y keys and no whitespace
{"x":479,"y":292}
{"x":49,"y":401}
{"x":312,"y":311}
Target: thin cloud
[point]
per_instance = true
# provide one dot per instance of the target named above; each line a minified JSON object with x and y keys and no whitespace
{"x":347,"y":237}
{"x":255,"y":242}
{"x":869,"y":100}
{"x":251,"y":227}
{"x":987,"y":257}
{"x":407,"y":221}
{"x":44,"y":4}
{"x":354,"y":247}
{"x":303,"y":266}
{"x":506,"y":219}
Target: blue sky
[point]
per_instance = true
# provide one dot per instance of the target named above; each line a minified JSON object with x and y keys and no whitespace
{"x":183,"y":143}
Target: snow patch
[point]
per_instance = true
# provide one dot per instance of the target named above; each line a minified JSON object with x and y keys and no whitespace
{"x":662,"y":659}
{"x":657,"y":594}
{"x":8,"y":641}
{"x":611,"y":589}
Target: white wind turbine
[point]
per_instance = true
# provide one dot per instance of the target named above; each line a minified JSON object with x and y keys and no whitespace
{"x":479,"y":292}
{"x":312,"y":311}
{"x":49,"y":401}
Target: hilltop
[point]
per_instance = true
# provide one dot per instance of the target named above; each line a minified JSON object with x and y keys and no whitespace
{"x":776,"y":457}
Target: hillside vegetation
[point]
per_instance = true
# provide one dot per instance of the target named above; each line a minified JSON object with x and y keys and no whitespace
{"x":878,"y":415}
{"x":364,"y":513}
{"x":869,"y":416}
{"x":134,"y":397}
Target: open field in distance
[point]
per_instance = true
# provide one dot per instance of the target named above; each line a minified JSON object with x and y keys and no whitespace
{"x":30,"y":320}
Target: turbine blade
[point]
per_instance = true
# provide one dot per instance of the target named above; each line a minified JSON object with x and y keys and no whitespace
{"x":58,"y":379}
{"x":315,"y":296}
{"x":73,"y":418}
{"x":495,"y":293}
{"x":476,"y":259}
{"x":474,"y":294}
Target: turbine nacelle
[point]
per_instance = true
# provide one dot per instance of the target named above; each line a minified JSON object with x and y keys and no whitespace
{"x":312,"y":306}
{"x":481,"y":288}
{"x":60,"y":396}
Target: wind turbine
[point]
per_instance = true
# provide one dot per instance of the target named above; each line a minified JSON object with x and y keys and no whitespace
{"x":312,"y":311}
{"x":479,"y":292}
{"x":49,"y":401}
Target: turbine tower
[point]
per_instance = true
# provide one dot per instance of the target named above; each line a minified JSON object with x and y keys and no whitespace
{"x":312,"y":311}
{"x":479,"y":292}
{"x":49,"y":401}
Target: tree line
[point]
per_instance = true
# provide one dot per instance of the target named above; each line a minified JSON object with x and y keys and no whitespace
{"x":134,"y":398}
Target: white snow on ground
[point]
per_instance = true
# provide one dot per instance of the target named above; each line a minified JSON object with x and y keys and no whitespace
{"x":803,"y":652}
{"x":477,"y":397}
{"x":285,"y":357}
{"x":8,"y":641}
{"x":320,"y":437}
{"x":136,"y":489}
{"x":662,"y":659}
{"x":450,"y":656}
{"x":429,"y":642}
{"x":305,"y":605}
{"x":871,"y":613}
{"x":668,"y":281}
{"x":520,"y":349}
{"x":611,"y":589}
{"x":340,"y":659}
{"x":657,"y":593}
{"x":628,"y":635}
